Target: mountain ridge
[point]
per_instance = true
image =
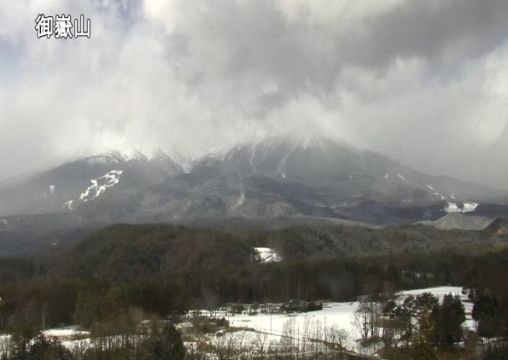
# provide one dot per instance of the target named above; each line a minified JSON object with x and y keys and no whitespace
{"x":268,"y":177}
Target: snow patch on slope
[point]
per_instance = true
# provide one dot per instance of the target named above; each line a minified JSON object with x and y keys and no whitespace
{"x":100,"y":185}
{"x":267,"y":255}
{"x":68,"y":205}
{"x":467,"y":207}
{"x":239,"y":202}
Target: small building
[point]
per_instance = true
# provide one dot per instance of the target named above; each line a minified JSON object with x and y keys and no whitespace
{"x":185,"y":327}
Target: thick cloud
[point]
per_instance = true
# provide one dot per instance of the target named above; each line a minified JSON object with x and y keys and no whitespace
{"x":421,"y":81}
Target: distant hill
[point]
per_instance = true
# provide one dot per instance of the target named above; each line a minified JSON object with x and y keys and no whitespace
{"x":459,"y":221}
{"x":498,"y":228}
{"x":126,"y":252}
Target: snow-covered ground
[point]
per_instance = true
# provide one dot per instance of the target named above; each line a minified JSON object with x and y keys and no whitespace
{"x":277,"y":330}
{"x":315,"y":325}
{"x":438,"y":292}
{"x":65,"y":332}
{"x":466,"y":207}
{"x":263,"y":329}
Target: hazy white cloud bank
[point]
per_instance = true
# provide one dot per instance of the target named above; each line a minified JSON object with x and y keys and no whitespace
{"x":422,"y":81}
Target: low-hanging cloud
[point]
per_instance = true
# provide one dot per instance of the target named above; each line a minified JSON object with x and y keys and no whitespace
{"x":423,"y":82}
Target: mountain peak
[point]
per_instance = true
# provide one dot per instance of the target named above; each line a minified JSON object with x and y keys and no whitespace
{"x":300,"y":141}
{"x":272,"y":175}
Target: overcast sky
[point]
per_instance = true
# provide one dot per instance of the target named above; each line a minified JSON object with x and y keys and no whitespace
{"x":423,"y":81}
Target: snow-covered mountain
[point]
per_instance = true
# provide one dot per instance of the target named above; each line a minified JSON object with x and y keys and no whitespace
{"x":343,"y":171}
{"x":459,"y":221}
{"x":85,"y":180}
{"x":272,"y":177}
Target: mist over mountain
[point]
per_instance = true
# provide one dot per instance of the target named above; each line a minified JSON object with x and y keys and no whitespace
{"x":424,"y":83}
{"x":276,"y":176}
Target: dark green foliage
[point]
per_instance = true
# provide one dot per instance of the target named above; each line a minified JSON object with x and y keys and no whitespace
{"x":486,"y":311}
{"x":426,"y":302}
{"x":160,"y":343}
{"x":400,"y":318}
{"x":38,"y":303}
{"x":484,"y":304}
{"x":495,"y":352}
{"x":13,"y":269}
{"x":312,"y":306}
{"x":128,"y":252}
{"x":165,"y":345}
{"x":90,"y":308}
{"x":421,"y":350}
{"x":447,"y":319}
{"x":107,"y":354}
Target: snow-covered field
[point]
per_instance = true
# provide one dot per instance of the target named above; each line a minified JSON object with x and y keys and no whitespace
{"x":277,"y":330}
{"x":440,"y":292}
{"x":315,"y":325}
{"x":272,"y":329}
